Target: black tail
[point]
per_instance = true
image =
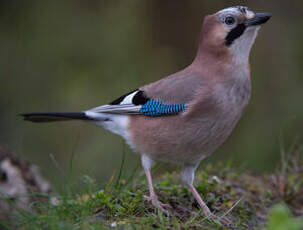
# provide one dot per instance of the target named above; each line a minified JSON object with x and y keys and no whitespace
{"x":49,"y":117}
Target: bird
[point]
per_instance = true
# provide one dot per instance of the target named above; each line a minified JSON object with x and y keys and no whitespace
{"x":184,"y":117}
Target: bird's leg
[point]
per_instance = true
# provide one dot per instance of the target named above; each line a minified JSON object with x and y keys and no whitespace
{"x":202,"y":204}
{"x":226,"y":222}
{"x":152,"y":194}
{"x":188,"y":174}
{"x":153,"y":198}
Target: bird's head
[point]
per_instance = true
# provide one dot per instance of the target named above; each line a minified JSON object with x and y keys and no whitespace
{"x":232,"y":30}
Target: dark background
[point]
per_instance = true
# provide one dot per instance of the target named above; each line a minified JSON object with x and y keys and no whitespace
{"x":62,"y":55}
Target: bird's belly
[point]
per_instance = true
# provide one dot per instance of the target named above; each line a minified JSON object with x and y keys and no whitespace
{"x":171,"y":139}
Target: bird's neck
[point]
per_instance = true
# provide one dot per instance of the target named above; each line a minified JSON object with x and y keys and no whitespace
{"x":240,"y":49}
{"x":212,"y":50}
{"x":221,"y":57}
{"x":221,"y":64}
{"x":212,"y":58}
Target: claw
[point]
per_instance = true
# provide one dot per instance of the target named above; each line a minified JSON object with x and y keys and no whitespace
{"x":224,"y":221}
{"x":157,"y":204}
{"x":186,"y":210}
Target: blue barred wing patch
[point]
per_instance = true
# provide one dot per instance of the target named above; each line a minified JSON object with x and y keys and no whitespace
{"x":157,"y":108}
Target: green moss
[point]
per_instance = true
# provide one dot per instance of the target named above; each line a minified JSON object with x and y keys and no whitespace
{"x":243,"y":197}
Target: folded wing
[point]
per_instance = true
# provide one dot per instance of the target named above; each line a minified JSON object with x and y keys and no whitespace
{"x":136,"y":102}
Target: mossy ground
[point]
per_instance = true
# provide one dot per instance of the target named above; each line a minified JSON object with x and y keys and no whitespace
{"x":245,"y":198}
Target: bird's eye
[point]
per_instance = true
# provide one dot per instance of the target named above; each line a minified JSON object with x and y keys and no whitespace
{"x":230,"y":21}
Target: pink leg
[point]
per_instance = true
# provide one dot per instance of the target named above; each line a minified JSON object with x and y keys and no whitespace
{"x":204,"y":207}
{"x":152,"y":195}
{"x":206,"y":210}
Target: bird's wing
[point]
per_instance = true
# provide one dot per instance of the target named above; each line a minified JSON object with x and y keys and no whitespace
{"x":178,"y":88}
{"x":168,"y":96}
{"x":137,"y":102}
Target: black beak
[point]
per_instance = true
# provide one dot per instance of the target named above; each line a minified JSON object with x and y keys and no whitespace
{"x":259,"y":19}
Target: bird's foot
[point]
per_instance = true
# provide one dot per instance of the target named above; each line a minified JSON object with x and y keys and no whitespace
{"x":158,"y":204}
{"x":222,"y":220}
{"x":186,"y":210}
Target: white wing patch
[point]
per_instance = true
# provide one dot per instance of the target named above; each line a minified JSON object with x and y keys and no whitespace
{"x":128,"y":99}
{"x":124,"y":106}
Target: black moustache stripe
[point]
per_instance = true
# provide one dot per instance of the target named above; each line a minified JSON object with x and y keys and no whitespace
{"x":234,"y":34}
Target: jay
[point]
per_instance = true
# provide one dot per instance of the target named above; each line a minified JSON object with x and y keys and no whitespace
{"x":186,"y":116}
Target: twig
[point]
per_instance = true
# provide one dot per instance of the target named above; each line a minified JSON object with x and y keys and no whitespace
{"x":228,"y":211}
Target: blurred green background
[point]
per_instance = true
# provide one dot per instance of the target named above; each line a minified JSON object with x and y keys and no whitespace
{"x":62,"y":55}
